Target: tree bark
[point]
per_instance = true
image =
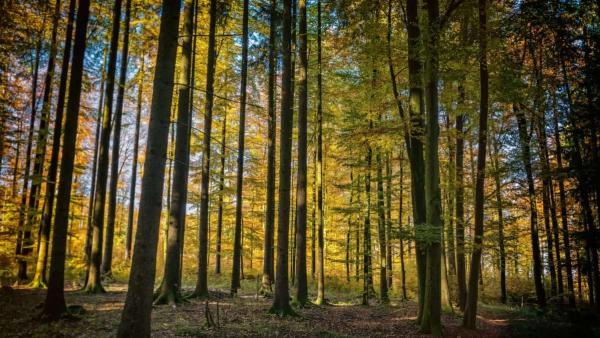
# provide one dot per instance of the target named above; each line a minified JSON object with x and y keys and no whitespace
{"x":170,"y":289}
{"x":301,"y":185}
{"x":268,"y":273}
{"x":94,"y":283}
{"x":535,"y":242}
{"x":39,"y":278}
{"x":500,"y":211}
{"x":415,"y":146}
{"x":134,"y":164}
{"x":470,"y":317}
{"x":563,"y":210}
{"x":237,"y":242}
{"x":319,"y":175}
{"x":281,"y":302}
{"x":54,"y":304}
{"x":431,"y":319}
{"x":202,"y":280}
{"x":219,"y":229}
{"x":135,"y":318}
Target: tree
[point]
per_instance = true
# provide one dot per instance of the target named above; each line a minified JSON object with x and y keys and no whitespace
{"x":24,"y":240}
{"x":281,"y":301}
{"x":430,"y":321}
{"x":135,"y":318}
{"x":268,"y":273}
{"x":202,"y":280}
{"x":54,"y":304}
{"x":301,"y":185}
{"x":94,"y":282}
{"x":221,"y":192}
{"x":134,"y":163}
{"x":106,"y":267}
{"x":237,"y":242}
{"x":535,"y":241}
{"x":39,"y":279}
{"x":414,"y":147}
{"x":470,"y":316}
{"x":319,"y":173}
{"x":169,"y":292}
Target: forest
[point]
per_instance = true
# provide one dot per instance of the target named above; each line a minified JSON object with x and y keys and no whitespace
{"x":299,"y":168}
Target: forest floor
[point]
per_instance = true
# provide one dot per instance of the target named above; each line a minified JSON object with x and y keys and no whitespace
{"x":247,"y":316}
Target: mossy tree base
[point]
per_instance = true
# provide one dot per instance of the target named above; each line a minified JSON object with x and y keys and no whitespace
{"x":169,"y":297}
{"x":283,"y":312}
{"x":94,"y":289}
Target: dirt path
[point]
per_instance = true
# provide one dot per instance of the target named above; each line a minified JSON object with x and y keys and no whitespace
{"x":244,"y":316}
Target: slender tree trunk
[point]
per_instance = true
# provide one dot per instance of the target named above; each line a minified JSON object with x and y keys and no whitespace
{"x":301,"y":185}
{"x":170,"y":290}
{"x":135,"y":318}
{"x":450,"y":237}
{"x":106,"y":267}
{"x":268,"y":273}
{"x":24,"y":240}
{"x":54,"y":304}
{"x":367,"y":267}
{"x":134,"y":164}
{"x":319,"y":175}
{"x":500,"y":211}
{"x":470,"y":317}
{"x":535,"y":242}
{"x":388,"y":227}
{"x":202,"y":280}
{"x":93,"y":183}
{"x":94,"y":284}
{"x":349,"y":231}
{"x":548,"y":195}
{"x":381,"y":222}
{"x":401,"y":227}
{"x":461,"y":278}
{"x":39,"y":279}
{"x":281,"y":301}
{"x":415,"y":146}
{"x":237,"y":246}
{"x":431,"y":321}
{"x":563,"y":211}
{"x":221,"y":192}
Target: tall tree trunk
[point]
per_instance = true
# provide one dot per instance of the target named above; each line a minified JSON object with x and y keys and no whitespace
{"x":450,"y":237}
{"x":39,"y":279}
{"x":461,"y":277}
{"x":548,"y":191}
{"x":431,"y":321}
{"x":415,"y":146}
{"x":563,"y":210}
{"x":237,"y":241}
{"x":219,"y":229}
{"x":588,"y":220}
{"x":319,"y":175}
{"x":281,"y":301}
{"x":24,"y":240}
{"x":268,"y":273}
{"x":535,"y":241}
{"x":135,"y":318}
{"x":107,"y":252}
{"x":367,"y":261}
{"x":381,"y":225}
{"x":400,"y":225}
{"x":301,"y":185}
{"x":134,"y":164}
{"x":202,"y":279}
{"x":170,"y":290}
{"x":349,"y":231}
{"x":94,"y":283}
{"x":388,"y":224}
{"x":500,"y":211}
{"x":470,"y":317}
{"x":54,"y":304}
{"x":90,"y":216}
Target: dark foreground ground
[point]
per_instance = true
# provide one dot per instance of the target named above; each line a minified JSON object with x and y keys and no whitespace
{"x":247,"y":316}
